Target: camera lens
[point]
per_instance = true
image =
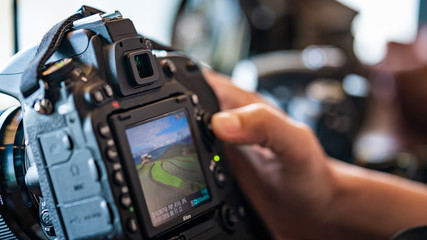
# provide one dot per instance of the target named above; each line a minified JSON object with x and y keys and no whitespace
{"x":18,"y":206}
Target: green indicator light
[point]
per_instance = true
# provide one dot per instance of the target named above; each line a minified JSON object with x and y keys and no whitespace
{"x":217,"y":158}
{"x":131,"y":209}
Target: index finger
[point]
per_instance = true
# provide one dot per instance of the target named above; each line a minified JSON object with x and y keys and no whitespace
{"x":229,"y":95}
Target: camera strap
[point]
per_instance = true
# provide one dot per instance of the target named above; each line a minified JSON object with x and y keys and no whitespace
{"x":49,"y":44}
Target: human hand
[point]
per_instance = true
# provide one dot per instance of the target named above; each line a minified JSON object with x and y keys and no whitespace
{"x":278,"y":162}
{"x":296,"y":189}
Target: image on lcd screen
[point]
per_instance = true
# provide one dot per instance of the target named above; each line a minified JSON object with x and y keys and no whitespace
{"x":168,"y":167}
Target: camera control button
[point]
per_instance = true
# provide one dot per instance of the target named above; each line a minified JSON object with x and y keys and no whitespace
{"x":87,"y":218}
{"x":220,"y":177}
{"x":132,"y":225}
{"x":169,"y":67}
{"x":194,"y":99}
{"x":118,"y":178}
{"x":104,"y":130}
{"x":107,"y":90}
{"x":76,"y":179}
{"x":124,"y":190}
{"x":117,"y":166}
{"x":97,"y":96}
{"x":110,"y":142}
{"x":126,"y":201}
{"x":112,"y":154}
{"x":229,"y":218}
{"x":204,"y":122}
{"x":56,"y":146}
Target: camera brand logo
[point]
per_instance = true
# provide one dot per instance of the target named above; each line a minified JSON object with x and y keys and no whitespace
{"x":186,"y":217}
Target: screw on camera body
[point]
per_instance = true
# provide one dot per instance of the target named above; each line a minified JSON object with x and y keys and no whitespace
{"x":43,"y":106}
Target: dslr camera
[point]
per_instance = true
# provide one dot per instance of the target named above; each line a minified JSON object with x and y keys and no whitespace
{"x":112,"y":141}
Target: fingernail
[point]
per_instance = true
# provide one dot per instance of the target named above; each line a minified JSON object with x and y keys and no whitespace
{"x":227,"y":123}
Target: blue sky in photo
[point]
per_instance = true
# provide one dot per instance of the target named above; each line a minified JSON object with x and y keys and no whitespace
{"x":158,"y":133}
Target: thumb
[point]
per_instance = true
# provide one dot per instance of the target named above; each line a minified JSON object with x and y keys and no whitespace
{"x":266,"y":126}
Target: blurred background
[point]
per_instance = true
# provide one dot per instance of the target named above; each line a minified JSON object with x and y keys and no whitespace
{"x":351,"y":69}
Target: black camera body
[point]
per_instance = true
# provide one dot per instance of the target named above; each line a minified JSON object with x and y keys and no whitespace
{"x":120,"y":136}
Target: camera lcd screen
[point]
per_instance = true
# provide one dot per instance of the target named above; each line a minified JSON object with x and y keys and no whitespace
{"x":168,"y":167}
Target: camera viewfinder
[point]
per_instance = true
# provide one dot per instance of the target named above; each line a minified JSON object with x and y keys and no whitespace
{"x":143,"y":71}
{"x":143,"y":65}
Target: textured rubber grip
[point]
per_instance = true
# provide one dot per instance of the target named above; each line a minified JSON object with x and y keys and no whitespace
{"x":5,"y":232}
